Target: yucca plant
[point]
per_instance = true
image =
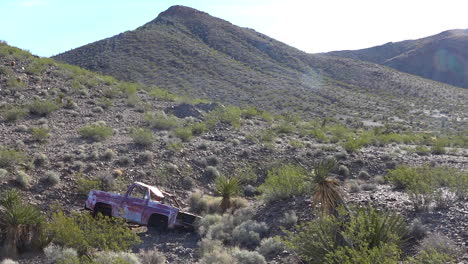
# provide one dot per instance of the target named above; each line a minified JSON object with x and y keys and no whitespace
{"x":326,"y":191}
{"x":19,"y":223}
{"x":227,"y":187}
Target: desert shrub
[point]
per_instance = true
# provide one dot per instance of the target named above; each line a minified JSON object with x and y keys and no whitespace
{"x":60,"y":255}
{"x":364,"y":236}
{"x":218,"y":256}
{"x":363,"y":175}
{"x":270,"y":246}
{"x":105,"y":103}
{"x":159,"y":120}
{"x":198,"y":128}
{"x":417,"y":230}
{"x":78,"y":166}
{"x":152,"y":256}
{"x":250,"y":112}
{"x":84,"y":232}
{"x":438,"y":148}
{"x":108,"y":154}
{"x":162,"y":94}
{"x":40,"y":159}
{"x":249,"y":233}
{"x":96,"y":132}
{"x":284,"y":128}
{"x":184,"y":133}
{"x":52,"y":177}
{"x":435,"y":249}
{"x":229,"y":115}
{"x":107,"y":257}
{"x":421,"y":150}
{"x":40,"y":134}
{"x":380,"y":179}
{"x":3,"y":174}
{"x":248,"y":257}
{"x":21,"y":224}
{"x":42,"y":107}
{"x":422,"y":183}
{"x":146,"y":156}
{"x":212,"y":172}
{"x":10,"y":157}
{"x":368,"y":187}
{"x":142,"y":136}
{"x":125,"y":161}
{"x":343,"y":171}
{"x":353,"y":186}
{"x":289,"y":219}
{"x":284,"y":182}
{"x":13,"y":114}
{"x":204,"y":204}
{"x":85,"y":185}
{"x":22,"y":178}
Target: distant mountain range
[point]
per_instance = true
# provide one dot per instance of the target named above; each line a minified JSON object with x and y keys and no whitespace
{"x":442,"y":57}
{"x":193,"y":53}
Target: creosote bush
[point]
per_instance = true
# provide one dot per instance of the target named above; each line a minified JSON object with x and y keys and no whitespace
{"x":10,"y":157}
{"x":142,"y":136}
{"x":42,"y":107}
{"x":84,"y":232}
{"x":159,"y":120}
{"x":96,"y":132}
{"x":13,"y":114}
{"x":284,"y":182}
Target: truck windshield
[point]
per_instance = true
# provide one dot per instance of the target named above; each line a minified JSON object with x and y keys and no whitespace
{"x":139,"y":192}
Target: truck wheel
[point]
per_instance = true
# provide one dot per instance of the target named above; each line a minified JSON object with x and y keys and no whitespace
{"x":158,"y":222}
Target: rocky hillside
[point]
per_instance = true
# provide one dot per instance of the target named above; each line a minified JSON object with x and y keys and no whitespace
{"x":191,"y":52}
{"x":442,"y":57}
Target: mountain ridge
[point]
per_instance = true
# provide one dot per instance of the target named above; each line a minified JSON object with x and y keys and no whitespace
{"x":191,"y":52}
{"x":441,"y":57}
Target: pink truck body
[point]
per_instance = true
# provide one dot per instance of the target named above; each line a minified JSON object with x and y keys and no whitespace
{"x":142,"y":204}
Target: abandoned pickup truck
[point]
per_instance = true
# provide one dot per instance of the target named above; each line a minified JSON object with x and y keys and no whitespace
{"x":142,"y":204}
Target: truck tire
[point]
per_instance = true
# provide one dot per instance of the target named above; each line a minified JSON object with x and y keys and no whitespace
{"x":104,"y":209}
{"x":158,"y":222}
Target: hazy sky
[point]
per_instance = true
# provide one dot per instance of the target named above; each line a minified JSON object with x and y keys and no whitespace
{"x":48,"y":27}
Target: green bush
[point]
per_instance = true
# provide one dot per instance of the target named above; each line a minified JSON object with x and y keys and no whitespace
{"x":42,"y":107}
{"x":364,"y":236}
{"x":159,"y":120}
{"x":40,"y":134}
{"x":184,"y":133}
{"x":284,"y":182}
{"x":198,"y":128}
{"x":10,"y":157}
{"x":142,"y":136}
{"x":85,"y":185}
{"x":96,"y":132}
{"x":422,"y":182}
{"x":84,"y":232}
{"x":13,"y":114}
{"x":435,"y":249}
{"x":162,"y":94}
{"x":22,"y":178}
{"x":230,"y":115}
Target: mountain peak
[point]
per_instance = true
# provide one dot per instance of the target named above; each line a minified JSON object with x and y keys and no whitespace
{"x":179,"y":10}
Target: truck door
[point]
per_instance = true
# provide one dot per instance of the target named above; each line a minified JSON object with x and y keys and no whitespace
{"x":134,"y":204}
